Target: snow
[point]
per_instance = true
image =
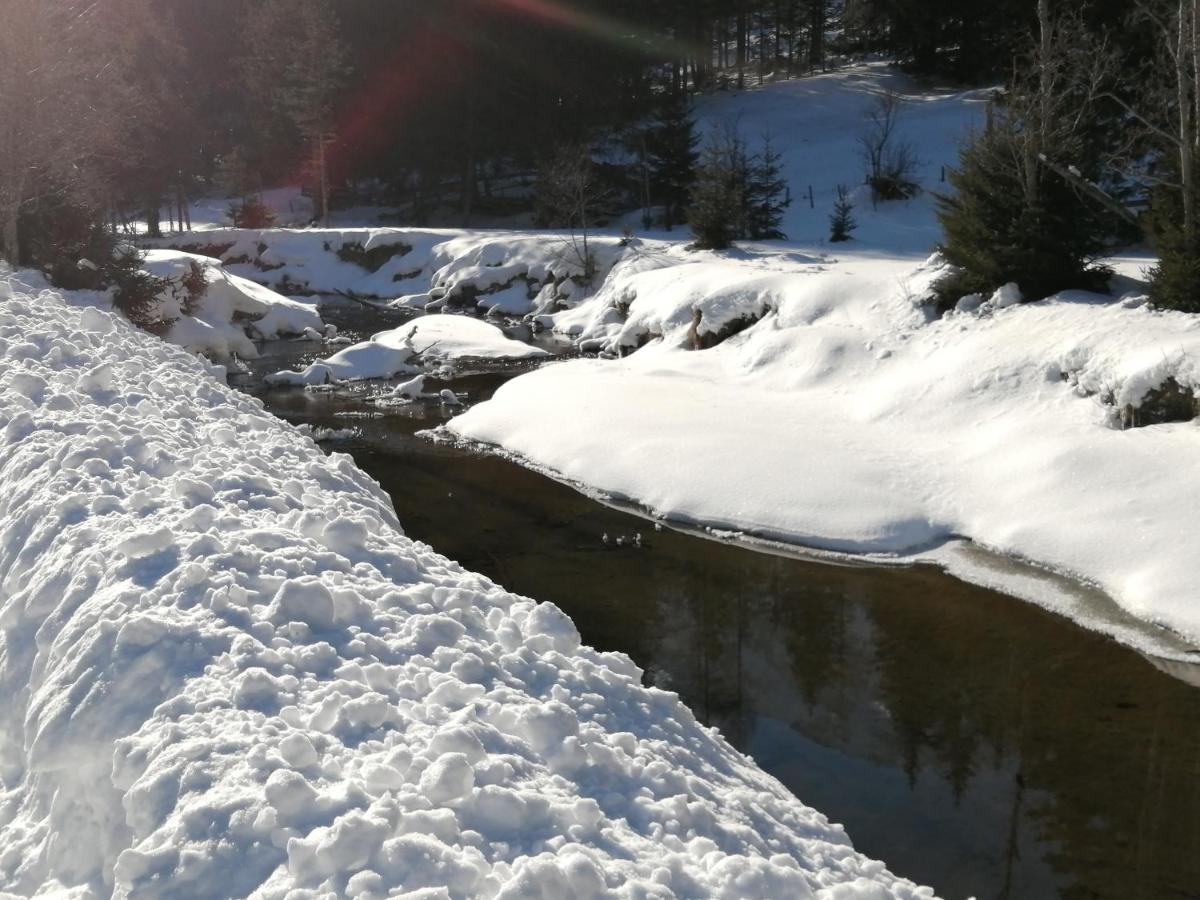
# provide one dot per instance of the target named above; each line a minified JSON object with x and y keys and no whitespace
{"x":845,"y":416}
{"x":227,"y":672}
{"x":849,"y":419}
{"x":502,"y":272}
{"x":425,"y":339}
{"x":233,"y":313}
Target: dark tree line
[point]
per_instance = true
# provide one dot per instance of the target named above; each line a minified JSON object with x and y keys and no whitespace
{"x":438,"y":108}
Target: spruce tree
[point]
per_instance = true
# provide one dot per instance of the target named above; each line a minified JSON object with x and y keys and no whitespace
{"x":1025,"y":207}
{"x":717,"y":210}
{"x":994,"y":236}
{"x":766,"y":195}
{"x":673,"y":156}
{"x":841,"y":222}
{"x":1175,"y":278}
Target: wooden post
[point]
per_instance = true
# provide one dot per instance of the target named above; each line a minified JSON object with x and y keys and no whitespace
{"x":812,"y":201}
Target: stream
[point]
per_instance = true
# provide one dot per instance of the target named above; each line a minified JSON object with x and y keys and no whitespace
{"x":973,"y":742}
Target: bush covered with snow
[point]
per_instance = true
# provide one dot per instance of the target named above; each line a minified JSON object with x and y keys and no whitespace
{"x":225,"y":671}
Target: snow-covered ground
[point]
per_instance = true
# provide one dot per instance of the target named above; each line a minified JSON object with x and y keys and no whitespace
{"x":848,"y":419}
{"x":225,"y":321}
{"x":226,"y":672}
{"x":846,"y":416}
{"x":233,"y":312}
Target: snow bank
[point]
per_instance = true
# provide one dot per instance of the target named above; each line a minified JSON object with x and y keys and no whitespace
{"x":848,"y":419}
{"x":226,"y":672}
{"x":510,"y":273}
{"x":427,"y":339}
{"x":233,"y":311}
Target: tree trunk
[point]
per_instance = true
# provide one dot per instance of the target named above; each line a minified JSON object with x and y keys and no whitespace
{"x":1187,"y":137}
{"x":741,"y":44}
{"x":10,"y":234}
{"x":153,"y":222}
{"x":324,"y":174}
{"x":468,"y":188}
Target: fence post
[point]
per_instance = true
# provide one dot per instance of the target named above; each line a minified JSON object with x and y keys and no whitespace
{"x":812,"y":204}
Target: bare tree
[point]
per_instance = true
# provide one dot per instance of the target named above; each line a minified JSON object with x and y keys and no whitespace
{"x":1167,"y":105}
{"x":296,"y":65}
{"x":891,"y":161}
{"x":571,"y":195}
{"x":1056,"y":96}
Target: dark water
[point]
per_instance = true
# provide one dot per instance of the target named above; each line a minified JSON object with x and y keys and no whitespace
{"x":973,"y":742}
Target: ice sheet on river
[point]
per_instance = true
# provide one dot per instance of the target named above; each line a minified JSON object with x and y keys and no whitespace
{"x":224,"y":671}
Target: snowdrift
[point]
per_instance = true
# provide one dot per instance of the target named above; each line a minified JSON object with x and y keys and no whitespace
{"x":232,"y":314}
{"x":226,"y":672}
{"x":846,"y":417}
{"x":509,"y":273}
{"x":430,"y":339}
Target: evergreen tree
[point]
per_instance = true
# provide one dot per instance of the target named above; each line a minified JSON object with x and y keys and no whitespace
{"x":1175,"y":278}
{"x":737,"y":195}
{"x":717,"y":210}
{"x":993,"y":235}
{"x":1024,"y":208}
{"x":297,"y":67}
{"x":672,"y":158}
{"x":766,"y":195}
{"x":841,"y":222}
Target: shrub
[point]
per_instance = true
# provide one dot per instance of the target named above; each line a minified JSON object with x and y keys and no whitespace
{"x":135,"y":292}
{"x":250,"y":213}
{"x":891,"y":163}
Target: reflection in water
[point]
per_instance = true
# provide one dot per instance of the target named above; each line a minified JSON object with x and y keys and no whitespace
{"x":973,"y":742}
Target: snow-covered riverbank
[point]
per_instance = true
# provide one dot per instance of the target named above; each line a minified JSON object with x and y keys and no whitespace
{"x":848,"y":418}
{"x":837,"y":410}
{"x":227,"y":672}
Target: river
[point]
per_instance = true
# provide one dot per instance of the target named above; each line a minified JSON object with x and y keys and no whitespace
{"x":971,"y":741}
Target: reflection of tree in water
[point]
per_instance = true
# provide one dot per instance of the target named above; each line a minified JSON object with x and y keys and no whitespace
{"x":1098,"y":753}
{"x":813,"y":623}
{"x":1107,"y":751}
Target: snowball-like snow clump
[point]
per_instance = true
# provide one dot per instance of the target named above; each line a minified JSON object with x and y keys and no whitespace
{"x":225,"y":672}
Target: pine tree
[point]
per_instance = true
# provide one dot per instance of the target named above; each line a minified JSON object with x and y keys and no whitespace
{"x":993,"y":235}
{"x":841,"y":222}
{"x":717,"y":210}
{"x":766,"y":195}
{"x":1014,"y":217}
{"x":672,"y":158}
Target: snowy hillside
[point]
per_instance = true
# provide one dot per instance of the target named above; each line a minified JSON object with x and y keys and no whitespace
{"x":816,"y":123}
{"x":228,"y":673}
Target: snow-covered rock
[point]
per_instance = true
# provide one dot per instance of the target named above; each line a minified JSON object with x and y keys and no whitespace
{"x":394,"y":352}
{"x":225,"y":672}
